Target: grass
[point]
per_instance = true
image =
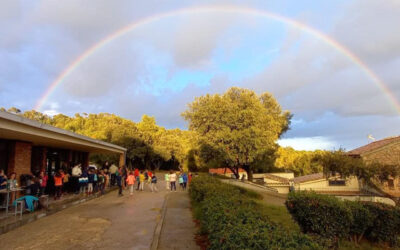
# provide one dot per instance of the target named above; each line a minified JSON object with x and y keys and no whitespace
{"x":280,"y":215}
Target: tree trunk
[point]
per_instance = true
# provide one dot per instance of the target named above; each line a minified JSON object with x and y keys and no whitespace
{"x":249,"y":172}
{"x":235,"y":171}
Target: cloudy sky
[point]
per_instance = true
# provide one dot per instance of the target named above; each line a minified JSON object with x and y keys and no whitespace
{"x":161,"y":65}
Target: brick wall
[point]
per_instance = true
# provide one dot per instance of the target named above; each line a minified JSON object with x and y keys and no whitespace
{"x":20,"y":158}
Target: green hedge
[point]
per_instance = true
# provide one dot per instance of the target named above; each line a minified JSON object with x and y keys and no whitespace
{"x":233,"y":220}
{"x":335,"y":219}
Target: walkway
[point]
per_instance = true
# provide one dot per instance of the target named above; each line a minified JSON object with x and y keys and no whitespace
{"x":109,"y":222}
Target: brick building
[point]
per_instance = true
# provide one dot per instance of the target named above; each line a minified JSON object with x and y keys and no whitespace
{"x":386,"y":151}
{"x":28,"y":146}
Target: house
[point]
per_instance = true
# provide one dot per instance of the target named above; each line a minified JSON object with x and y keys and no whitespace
{"x":278,"y":181}
{"x":386,"y":151}
{"x":28,"y":146}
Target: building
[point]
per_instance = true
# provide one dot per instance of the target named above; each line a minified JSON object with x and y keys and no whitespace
{"x":278,"y":181}
{"x":28,"y":146}
{"x":386,"y":151}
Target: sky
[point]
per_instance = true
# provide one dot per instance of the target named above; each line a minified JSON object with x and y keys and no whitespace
{"x":160,"y":66}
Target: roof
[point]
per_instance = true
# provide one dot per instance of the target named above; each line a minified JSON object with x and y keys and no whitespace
{"x":310,"y":177}
{"x":15,"y":127}
{"x":223,"y":171}
{"x":373,"y":145}
{"x":277,"y":178}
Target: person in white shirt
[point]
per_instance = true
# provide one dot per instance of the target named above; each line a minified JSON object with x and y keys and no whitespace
{"x":172,"y":180}
{"x":76,"y":173}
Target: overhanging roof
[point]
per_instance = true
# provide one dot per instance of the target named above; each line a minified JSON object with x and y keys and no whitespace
{"x":14,"y":127}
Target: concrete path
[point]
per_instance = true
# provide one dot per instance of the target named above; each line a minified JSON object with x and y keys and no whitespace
{"x":178,"y":229}
{"x":268,"y":196}
{"x":108,"y":222}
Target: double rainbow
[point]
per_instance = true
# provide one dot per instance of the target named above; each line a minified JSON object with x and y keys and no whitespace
{"x":222,"y":9}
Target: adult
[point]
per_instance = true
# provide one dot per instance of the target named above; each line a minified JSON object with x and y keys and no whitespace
{"x":172,"y":180}
{"x":12,"y":184}
{"x":76,"y":174}
{"x":112,"y":171}
{"x":118,"y":178}
{"x":3,"y":180}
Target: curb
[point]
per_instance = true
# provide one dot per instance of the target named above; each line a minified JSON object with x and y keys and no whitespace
{"x":157,"y":230}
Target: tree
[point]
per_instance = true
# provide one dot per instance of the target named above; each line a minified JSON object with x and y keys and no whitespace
{"x":238,"y":127}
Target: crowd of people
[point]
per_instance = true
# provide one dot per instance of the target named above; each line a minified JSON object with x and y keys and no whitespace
{"x":92,"y":180}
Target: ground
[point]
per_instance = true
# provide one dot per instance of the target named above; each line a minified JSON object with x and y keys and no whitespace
{"x":111,"y":222}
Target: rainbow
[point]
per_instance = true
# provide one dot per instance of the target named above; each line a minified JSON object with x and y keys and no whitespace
{"x":225,"y":9}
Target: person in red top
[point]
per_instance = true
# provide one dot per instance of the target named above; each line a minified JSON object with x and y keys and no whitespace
{"x":58,"y":183}
{"x":43,"y":178}
{"x":136,"y":174}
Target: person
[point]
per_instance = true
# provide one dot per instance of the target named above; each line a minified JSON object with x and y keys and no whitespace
{"x":112,"y":171}
{"x":83,"y":182}
{"x":101,"y":181}
{"x":124,"y":176}
{"x":185,"y":180}
{"x":118,"y":178}
{"x":106,"y":179}
{"x":66,"y":183}
{"x":106,"y":166}
{"x":58,"y":183}
{"x":136,"y":172}
{"x":12,"y":184}
{"x":3,"y":180}
{"x":141,"y":180}
{"x":90,"y":182}
{"x":180,"y":180}
{"x":95,"y":180}
{"x":43,"y":178}
{"x":130,"y":181}
{"x":138,"y":181}
{"x":154,"y":183}
{"x":172,"y":180}
{"x":167,"y":181}
{"x":76,"y":174}
{"x":189,"y":178}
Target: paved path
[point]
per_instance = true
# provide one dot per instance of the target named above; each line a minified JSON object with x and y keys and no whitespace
{"x":268,"y":196}
{"x":108,"y":222}
{"x":178,"y":229}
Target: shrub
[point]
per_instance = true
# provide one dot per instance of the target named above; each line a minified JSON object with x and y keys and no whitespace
{"x":362,"y":220}
{"x":233,"y":220}
{"x":386,"y":223}
{"x":320,"y":214}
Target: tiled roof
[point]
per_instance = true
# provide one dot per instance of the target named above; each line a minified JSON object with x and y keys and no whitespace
{"x":277,"y":178}
{"x":373,"y":145}
{"x":310,"y":177}
{"x":342,"y":193}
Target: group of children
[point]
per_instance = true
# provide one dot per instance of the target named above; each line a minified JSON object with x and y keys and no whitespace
{"x":141,"y":178}
{"x":182,"y":177}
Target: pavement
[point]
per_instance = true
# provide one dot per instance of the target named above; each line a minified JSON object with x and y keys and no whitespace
{"x":112,"y":222}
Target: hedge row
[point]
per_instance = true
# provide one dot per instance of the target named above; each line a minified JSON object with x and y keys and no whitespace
{"x":233,"y":220}
{"x":335,"y":219}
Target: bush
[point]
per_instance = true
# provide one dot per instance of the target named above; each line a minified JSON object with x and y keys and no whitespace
{"x":332,"y":218}
{"x":233,"y":220}
{"x":386,"y":223}
{"x":320,"y":214}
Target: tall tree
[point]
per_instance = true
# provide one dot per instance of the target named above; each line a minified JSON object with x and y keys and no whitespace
{"x":239,"y":127}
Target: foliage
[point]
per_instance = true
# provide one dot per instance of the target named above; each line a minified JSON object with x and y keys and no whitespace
{"x":238,"y":127}
{"x":232,"y":220}
{"x":299,"y":162}
{"x":334,"y":219}
{"x":320,"y":214}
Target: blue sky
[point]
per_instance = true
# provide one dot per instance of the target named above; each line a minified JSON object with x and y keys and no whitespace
{"x":160,"y":67}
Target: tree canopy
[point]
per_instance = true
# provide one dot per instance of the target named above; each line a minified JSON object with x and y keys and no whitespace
{"x":238,"y":127}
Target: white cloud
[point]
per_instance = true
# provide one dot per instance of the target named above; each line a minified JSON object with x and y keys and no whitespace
{"x":308,"y":143}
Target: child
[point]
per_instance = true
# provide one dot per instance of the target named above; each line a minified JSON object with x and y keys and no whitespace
{"x":181,"y":181}
{"x":167,"y":180}
{"x":12,"y":184}
{"x":141,"y":179}
{"x":58,"y":183}
{"x":172,"y":180}
{"x":185,"y":180}
{"x":43,"y":183}
{"x":154,"y":183}
{"x":66,"y":182}
{"x":101,"y":182}
{"x":90,"y":182}
{"x":130,"y":181}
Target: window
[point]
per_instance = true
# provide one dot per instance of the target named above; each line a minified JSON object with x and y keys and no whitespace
{"x":337,"y":183}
